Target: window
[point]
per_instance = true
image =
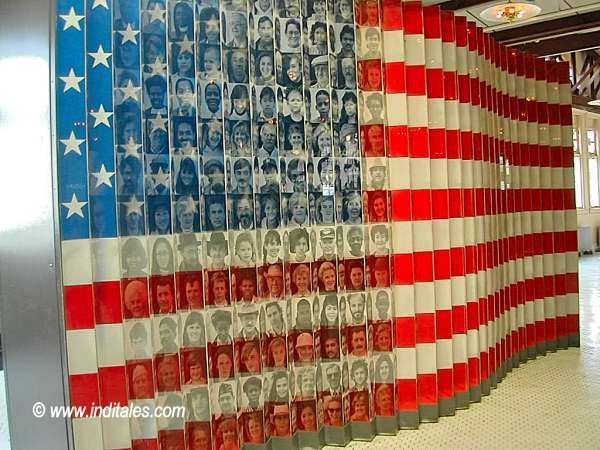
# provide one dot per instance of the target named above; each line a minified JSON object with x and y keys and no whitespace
{"x":592,"y":148}
{"x":577,"y":165}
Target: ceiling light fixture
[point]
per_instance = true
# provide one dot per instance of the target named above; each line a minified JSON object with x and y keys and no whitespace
{"x":510,"y":12}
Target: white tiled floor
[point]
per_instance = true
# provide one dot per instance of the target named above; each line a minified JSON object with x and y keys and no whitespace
{"x":552,"y":402}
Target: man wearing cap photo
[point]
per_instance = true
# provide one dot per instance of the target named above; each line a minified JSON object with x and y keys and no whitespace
{"x":226,"y":400}
{"x":248,"y":315}
{"x":378,"y":175}
{"x":304,"y":348}
{"x":321,"y":72}
{"x":217,"y":250}
{"x":274,"y":281}
{"x":189,"y":247}
{"x":280,"y":420}
{"x":327,"y":243}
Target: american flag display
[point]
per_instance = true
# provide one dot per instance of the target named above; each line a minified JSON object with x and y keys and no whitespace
{"x":306,"y":221}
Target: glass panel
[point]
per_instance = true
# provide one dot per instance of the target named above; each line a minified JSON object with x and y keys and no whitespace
{"x":593,"y":177}
{"x":575,"y":140}
{"x":578,"y":183}
{"x":591,"y":141}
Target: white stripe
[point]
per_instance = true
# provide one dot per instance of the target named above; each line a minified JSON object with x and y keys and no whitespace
{"x":426,"y":358}
{"x":393,"y":46}
{"x":414,"y":49}
{"x":404,"y":300}
{"x":424,"y":297}
{"x":87,"y":433}
{"x":396,"y":107}
{"x":416,"y":110}
{"x":110,"y":345}
{"x":76,"y":262}
{"x":444,"y":354}
{"x":105,"y":259}
{"x":81,"y":352}
{"x":115,"y":431}
{"x":401,"y":237}
{"x":406,"y":363}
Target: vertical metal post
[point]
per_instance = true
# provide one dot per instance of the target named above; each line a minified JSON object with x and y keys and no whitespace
{"x":30,"y":282}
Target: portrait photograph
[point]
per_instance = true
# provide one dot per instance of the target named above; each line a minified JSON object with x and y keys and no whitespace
{"x":246,"y":284}
{"x":165,"y":333}
{"x":381,"y":301}
{"x":219,"y":326}
{"x":167,"y":373}
{"x":140,"y":379}
{"x":194,"y":366}
{"x":372,"y":140}
{"x":221,"y":363}
{"x":162,"y":292}
{"x":190,"y":291}
{"x":138,"y":339}
{"x":134,"y":292}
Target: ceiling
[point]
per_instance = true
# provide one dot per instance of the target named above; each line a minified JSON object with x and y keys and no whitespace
{"x":544,"y":34}
{"x":551,"y":9}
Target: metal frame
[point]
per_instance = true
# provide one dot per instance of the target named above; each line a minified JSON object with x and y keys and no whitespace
{"x":30,"y":281}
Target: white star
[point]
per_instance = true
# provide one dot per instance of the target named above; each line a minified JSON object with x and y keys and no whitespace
{"x":133,"y":206}
{"x":103,"y":177}
{"x":100,"y":57}
{"x":159,"y":122}
{"x":188,"y":149}
{"x":130,"y":91}
{"x":157,"y":67}
{"x":129,"y":34}
{"x":131,"y":148}
{"x":72,"y":144}
{"x":161,"y":178}
{"x":100,"y":3}
{"x":186,"y":45}
{"x":101,"y":116}
{"x":71,"y":81}
{"x":71,"y":20}
{"x":157,"y":14}
{"x":74,"y":207}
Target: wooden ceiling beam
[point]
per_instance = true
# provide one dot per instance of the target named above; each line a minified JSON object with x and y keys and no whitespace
{"x":560,"y":45}
{"x":581,"y":102}
{"x":548,"y":28}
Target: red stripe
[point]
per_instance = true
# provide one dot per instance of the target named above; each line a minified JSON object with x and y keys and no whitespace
{"x":79,"y":307}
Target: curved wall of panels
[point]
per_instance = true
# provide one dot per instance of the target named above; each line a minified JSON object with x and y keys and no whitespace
{"x":306,"y":221}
